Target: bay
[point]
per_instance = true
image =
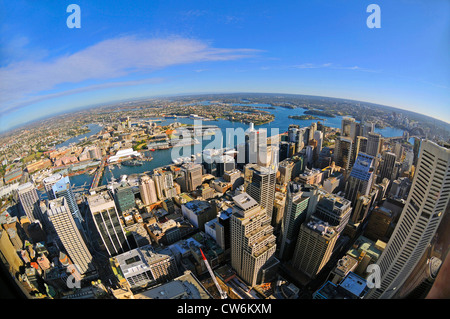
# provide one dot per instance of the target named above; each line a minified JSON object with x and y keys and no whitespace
{"x":164,"y":157}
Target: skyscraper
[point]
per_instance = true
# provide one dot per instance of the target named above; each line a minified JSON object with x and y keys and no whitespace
{"x":63,"y":222}
{"x":348,"y":127}
{"x":259,"y":183}
{"x":48,"y":184}
{"x":343,"y":152}
{"x":419,"y":220}
{"x":295,"y":214}
{"x":124,"y":197}
{"x":29,"y":201}
{"x":252,"y":240}
{"x":361,"y":145}
{"x":335,"y":210}
{"x":318,"y":136}
{"x":106,"y":219}
{"x":373,"y":144}
{"x":192,"y":176}
{"x":315,"y":243}
{"x":386,"y":168}
{"x":360,"y":179}
{"x":62,"y":188}
{"x":148,"y":190}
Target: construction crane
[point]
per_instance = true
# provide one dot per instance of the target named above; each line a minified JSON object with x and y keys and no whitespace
{"x":223,"y":295}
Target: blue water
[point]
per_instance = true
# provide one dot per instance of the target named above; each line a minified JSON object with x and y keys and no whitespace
{"x":94,"y":129}
{"x":164,"y":157}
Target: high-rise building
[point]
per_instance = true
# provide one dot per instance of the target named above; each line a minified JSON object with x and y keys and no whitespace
{"x":124,"y":197}
{"x":367,"y":128}
{"x":318,"y":136}
{"x":285,"y":168}
{"x":361,"y":145}
{"x":348,"y":127}
{"x":148,"y":190}
{"x":373,"y":144}
{"x":259,"y":183}
{"x":386,"y":168}
{"x":192,"y":176}
{"x":343,"y":152}
{"x":252,"y":240}
{"x":335,"y":210}
{"x":360,"y":179}
{"x":143,"y":267}
{"x":62,"y":188}
{"x":295,"y":214}
{"x":29,"y":201}
{"x":48,"y":184}
{"x":64,"y":224}
{"x":164,"y":184}
{"x":106,"y":219}
{"x":424,"y":209}
{"x":315,"y":243}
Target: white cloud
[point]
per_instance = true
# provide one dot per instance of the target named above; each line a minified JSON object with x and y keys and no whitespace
{"x":110,"y":59}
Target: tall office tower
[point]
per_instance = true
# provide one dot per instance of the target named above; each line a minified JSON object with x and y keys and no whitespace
{"x":295,"y":137}
{"x":373,"y":144}
{"x":360,"y":179}
{"x":295,"y":214}
{"x":424,"y":209}
{"x":164,"y":184}
{"x":398,"y":150}
{"x":408,"y":161}
{"x":361,"y":145}
{"x":48,"y":184}
{"x":416,"y":150}
{"x":335,"y":210}
{"x":124,"y":198}
{"x":367,"y":127}
{"x":251,"y":145}
{"x":62,"y":188}
{"x":325,"y":157}
{"x":159,"y":179}
{"x":64,"y":224}
{"x":361,"y":208}
{"x":348,"y":127}
{"x":148,"y":190}
{"x":279,"y":204}
{"x":386,"y":168}
{"x":351,"y":129}
{"x":312,"y":130}
{"x":284,"y":151}
{"x":29,"y":201}
{"x":192,"y":176}
{"x":343,"y":152}
{"x":285,"y":168}
{"x":106,"y":219}
{"x":315,"y":243}
{"x":252,"y":240}
{"x":259,"y":183}
{"x":318,"y":136}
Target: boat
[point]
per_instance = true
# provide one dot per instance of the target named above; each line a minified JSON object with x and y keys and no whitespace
{"x":152,"y":149}
{"x":132,"y":163}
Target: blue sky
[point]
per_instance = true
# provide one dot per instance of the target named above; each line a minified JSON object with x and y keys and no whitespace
{"x":131,"y":49}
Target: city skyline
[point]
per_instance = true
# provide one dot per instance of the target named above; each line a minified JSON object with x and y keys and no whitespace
{"x":125,"y":51}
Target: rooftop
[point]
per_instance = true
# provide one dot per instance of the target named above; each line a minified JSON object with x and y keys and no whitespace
{"x":185,"y":286}
{"x":244,"y":201}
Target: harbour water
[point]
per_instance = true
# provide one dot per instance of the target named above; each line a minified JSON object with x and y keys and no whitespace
{"x":164,"y":157}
